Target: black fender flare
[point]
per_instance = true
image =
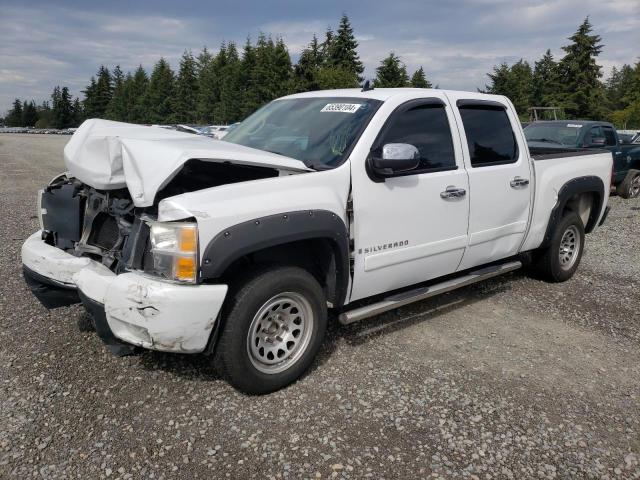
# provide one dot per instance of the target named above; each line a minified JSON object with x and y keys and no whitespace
{"x":587,"y":184}
{"x":254,"y":235}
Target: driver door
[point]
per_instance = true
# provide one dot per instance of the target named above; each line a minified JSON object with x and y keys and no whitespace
{"x":407,"y":228}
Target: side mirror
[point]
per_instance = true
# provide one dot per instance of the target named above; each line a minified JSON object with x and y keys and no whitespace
{"x":396,"y":158}
{"x":597,"y":142}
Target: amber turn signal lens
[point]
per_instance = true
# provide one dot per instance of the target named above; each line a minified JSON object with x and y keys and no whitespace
{"x":185,"y":268}
{"x":188,"y":240}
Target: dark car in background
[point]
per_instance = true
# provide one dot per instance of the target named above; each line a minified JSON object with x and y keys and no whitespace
{"x":588,"y":134}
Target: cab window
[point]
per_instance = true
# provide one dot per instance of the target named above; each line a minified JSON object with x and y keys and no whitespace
{"x":490,"y":137}
{"x":426,"y":127}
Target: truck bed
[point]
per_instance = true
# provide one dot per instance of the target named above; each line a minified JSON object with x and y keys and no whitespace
{"x":544,"y":153}
{"x":550,"y":177}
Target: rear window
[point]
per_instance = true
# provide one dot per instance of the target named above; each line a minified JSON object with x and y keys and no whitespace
{"x":489,"y":135}
{"x":565,"y":135}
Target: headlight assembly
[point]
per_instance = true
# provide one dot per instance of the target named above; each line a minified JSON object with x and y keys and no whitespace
{"x":174,"y":248}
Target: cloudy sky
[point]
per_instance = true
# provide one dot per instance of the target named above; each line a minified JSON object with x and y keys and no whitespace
{"x":45,"y":43}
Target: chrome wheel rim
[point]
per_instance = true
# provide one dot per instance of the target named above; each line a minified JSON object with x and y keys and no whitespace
{"x":280,"y":332}
{"x":569,"y":247}
{"x":634,"y":189}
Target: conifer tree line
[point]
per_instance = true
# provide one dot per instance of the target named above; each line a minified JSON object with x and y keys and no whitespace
{"x":218,"y":88}
{"x":572,"y":83}
{"x":227,"y":86}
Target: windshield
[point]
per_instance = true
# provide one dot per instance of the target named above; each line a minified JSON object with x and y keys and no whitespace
{"x":317,"y":131}
{"x":564,"y":134}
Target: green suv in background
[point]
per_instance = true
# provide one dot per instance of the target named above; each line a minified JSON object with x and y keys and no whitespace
{"x":580,"y":134}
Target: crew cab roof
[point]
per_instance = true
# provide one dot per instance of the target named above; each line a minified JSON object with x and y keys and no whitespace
{"x":384,"y":94}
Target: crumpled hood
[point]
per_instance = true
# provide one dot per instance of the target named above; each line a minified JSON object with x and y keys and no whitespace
{"x":109,"y":155}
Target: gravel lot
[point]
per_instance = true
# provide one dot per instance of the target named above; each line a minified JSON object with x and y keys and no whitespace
{"x":513,"y":378}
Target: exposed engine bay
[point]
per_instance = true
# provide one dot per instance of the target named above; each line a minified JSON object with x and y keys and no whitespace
{"x":106,"y":226}
{"x":86,"y":222}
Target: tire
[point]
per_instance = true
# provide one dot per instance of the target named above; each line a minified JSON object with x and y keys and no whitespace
{"x":273,"y":328}
{"x":630,"y":186}
{"x":559,"y":261}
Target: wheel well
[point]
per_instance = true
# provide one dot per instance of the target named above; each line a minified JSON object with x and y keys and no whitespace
{"x":582,"y":204}
{"x":583,"y":195}
{"x":319,"y":256}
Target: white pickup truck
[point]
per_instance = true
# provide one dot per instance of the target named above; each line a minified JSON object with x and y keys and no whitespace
{"x":352,"y":201}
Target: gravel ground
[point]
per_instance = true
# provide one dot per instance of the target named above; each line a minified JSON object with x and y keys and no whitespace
{"x":513,"y":378}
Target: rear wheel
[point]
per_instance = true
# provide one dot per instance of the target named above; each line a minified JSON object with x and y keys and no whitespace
{"x":273,"y":328}
{"x":630,"y":186}
{"x":559,"y":261}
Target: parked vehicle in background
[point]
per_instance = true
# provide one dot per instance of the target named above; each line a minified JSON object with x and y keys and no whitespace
{"x":355,"y":201}
{"x":629,"y":138}
{"x":587,"y":134}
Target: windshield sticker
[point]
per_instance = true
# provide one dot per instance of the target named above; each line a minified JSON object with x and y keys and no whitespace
{"x":573,"y":125}
{"x":341,"y":107}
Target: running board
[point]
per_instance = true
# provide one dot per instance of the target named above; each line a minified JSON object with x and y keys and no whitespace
{"x":405,"y":298}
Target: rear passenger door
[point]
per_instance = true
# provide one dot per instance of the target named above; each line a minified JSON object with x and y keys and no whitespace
{"x":500,"y":186}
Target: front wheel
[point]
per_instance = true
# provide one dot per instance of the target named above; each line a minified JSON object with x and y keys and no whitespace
{"x":559,"y":261}
{"x":273,"y":328}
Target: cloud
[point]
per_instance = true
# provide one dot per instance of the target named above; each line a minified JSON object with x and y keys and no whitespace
{"x":457,"y":42}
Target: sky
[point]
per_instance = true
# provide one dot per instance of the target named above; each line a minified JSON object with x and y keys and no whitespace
{"x":49,"y":43}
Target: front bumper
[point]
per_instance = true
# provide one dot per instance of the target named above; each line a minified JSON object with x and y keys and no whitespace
{"x":130,"y":307}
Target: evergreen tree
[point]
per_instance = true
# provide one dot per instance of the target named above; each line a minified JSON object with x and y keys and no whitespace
{"x":419,"y":80}
{"x":228,"y":107}
{"x":98,"y":94}
{"x":117,"y":107}
{"x":89,"y":102}
{"x":583,"y":95}
{"x":14,"y":117}
{"x":546,"y":82}
{"x":78,"y":114}
{"x":186,"y":99}
{"x":29,"y":114}
{"x":209,"y":83}
{"x":45,"y":116}
{"x":618,"y":86}
{"x":135,"y":91}
{"x":391,"y":73}
{"x":247,"y":67}
{"x":515,"y":82}
{"x":158,"y":98}
{"x":629,"y":117}
{"x":325,"y":46}
{"x":342,"y":49}
{"x":63,"y":116}
{"x":522,"y":86}
{"x":282,"y":69}
{"x":306,"y":70}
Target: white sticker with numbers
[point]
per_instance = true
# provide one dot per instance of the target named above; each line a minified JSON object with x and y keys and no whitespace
{"x":341,"y":107}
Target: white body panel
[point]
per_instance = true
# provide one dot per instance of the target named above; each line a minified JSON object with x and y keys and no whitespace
{"x":499,"y":214}
{"x":109,"y":155}
{"x":139,"y":309}
{"x":403,"y":232}
{"x":550,"y":176}
{"x":432,"y":231}
{"x":221,"y":207}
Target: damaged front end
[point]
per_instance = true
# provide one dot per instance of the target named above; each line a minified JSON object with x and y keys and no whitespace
{"x":137,"y":277}
{"x":83,"y":221}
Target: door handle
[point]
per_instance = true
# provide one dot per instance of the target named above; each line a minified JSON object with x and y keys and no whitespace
{"x":453,"y":192}
{"x":519,"y":182}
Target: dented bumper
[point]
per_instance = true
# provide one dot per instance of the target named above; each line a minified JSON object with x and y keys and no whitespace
{"x":132,"y":307}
